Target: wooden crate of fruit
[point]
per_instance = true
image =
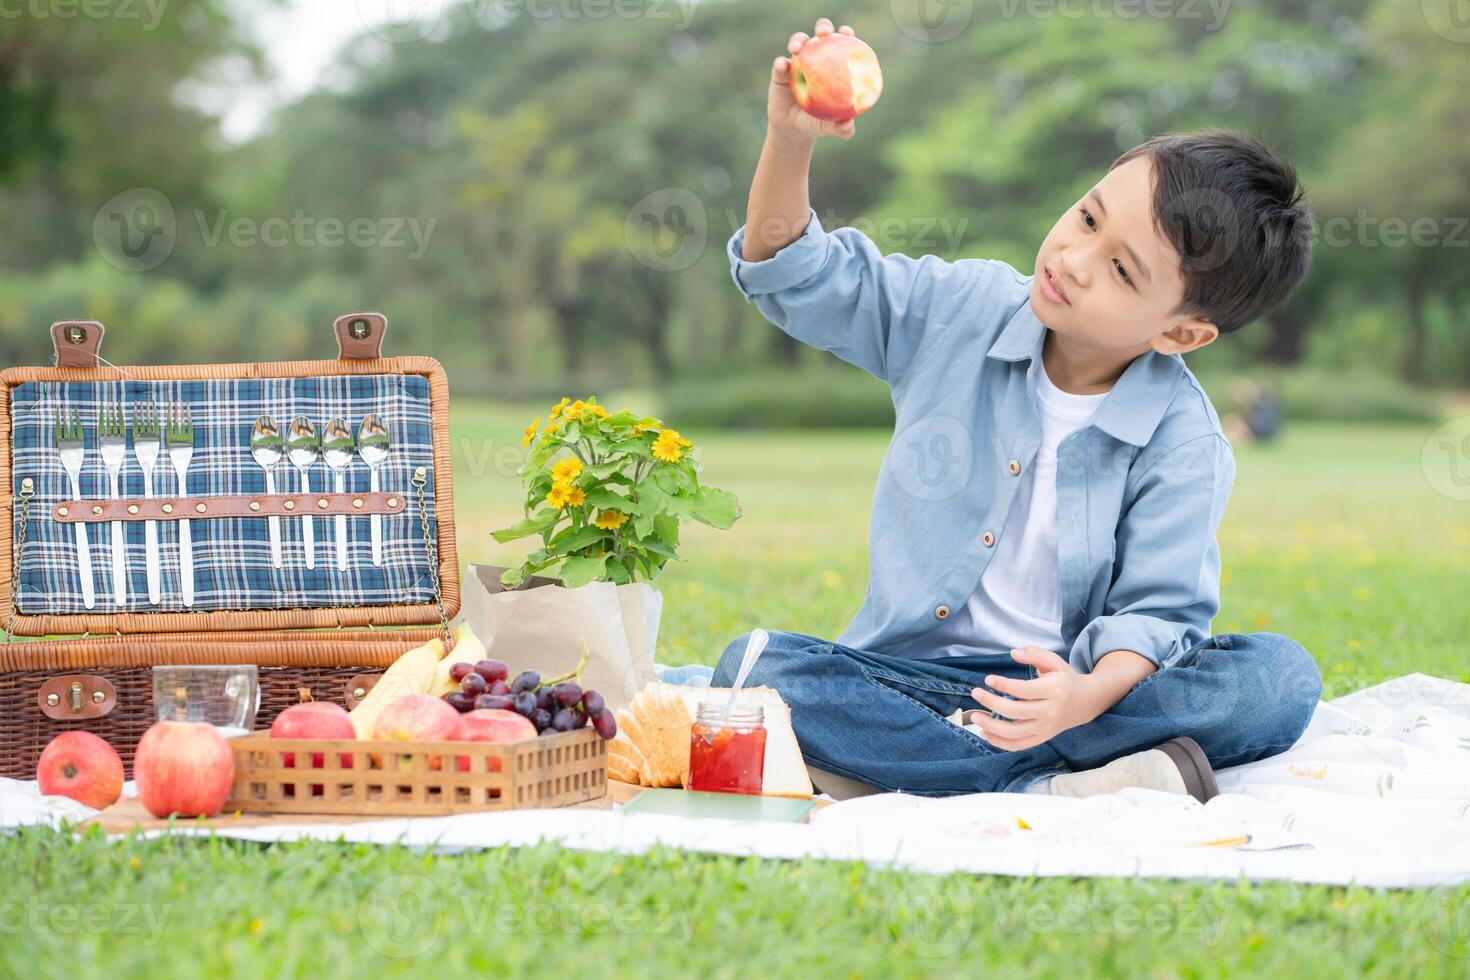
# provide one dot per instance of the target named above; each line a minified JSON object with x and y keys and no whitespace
{"x":412,"y":779}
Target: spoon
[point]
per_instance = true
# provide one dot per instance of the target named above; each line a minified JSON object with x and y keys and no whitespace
{"x":753,"y":649}
{"x":337,"y":449}
{"x":303,"y":448}
{"x":372,"y":446}
{"x":265,"y":446}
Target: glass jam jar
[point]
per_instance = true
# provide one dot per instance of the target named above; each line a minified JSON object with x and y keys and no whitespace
{"x":727,"y":753}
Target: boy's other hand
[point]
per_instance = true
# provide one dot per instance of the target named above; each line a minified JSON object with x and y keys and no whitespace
{"x":1057,"y":699}
{"x":787,"y":117}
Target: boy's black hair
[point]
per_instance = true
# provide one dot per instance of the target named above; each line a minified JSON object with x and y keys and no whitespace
{"x":1238,"y":218}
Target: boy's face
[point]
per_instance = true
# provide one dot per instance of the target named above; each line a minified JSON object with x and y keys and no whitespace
{"x":1106,"y":276}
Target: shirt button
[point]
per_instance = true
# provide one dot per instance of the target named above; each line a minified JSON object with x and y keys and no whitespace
{"x":942,"y":612}
{"x":987,"y":539}
{"x":1014,"y":467}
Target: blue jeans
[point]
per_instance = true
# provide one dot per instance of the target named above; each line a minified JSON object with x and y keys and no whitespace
{"x":882,"y":720}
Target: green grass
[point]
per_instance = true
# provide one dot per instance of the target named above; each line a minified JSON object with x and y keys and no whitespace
{"x":1334,"y":536}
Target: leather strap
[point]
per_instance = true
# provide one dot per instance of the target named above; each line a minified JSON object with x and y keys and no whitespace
{"x":262,"y":505}
{"x":360,"y":336}
{"x":77,"y":342}
{"x":75,"y":697}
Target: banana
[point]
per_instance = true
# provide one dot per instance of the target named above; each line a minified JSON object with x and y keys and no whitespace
{"x":467,"y":649}
{"x":412,"y":673}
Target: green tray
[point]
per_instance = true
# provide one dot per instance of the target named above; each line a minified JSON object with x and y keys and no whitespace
{"x":719,"y":806}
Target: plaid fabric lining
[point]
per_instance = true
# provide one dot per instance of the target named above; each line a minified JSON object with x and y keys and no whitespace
{"x":232,"y":561}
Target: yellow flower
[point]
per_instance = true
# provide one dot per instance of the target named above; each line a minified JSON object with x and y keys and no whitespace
{"x":575,"y":496}
{"x":556,"y":409}
{"x":553,"y":426}
{"x":530,"y":432}
{"x":610,"y":520}
{"x":559,"y":496}
{"x":566,"y":469}
{"x":669,"y":446}
{"x":575,"y":409}
{"x":597,"y":410}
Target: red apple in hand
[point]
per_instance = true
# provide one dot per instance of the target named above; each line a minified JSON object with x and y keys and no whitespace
{"x":314,"y":719}
{"x":185,"y":768}
{"x":82,"y":767}
{"x":836,"y":77}
{"x":491,"y":725}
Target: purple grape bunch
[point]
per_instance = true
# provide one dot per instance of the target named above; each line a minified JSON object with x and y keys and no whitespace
{"x":555,"y":705}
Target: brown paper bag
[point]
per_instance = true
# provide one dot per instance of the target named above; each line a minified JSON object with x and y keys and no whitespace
{"x":541,"y":626}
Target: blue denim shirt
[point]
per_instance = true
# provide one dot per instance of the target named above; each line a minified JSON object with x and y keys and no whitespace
{"x":1140,"y":490}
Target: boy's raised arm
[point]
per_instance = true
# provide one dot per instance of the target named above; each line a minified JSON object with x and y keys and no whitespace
{"x":838,"y":292}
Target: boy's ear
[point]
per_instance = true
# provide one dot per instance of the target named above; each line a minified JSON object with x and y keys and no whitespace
{"x":1186,"y":335}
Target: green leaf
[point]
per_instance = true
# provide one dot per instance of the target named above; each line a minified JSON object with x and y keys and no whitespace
{"x":717,"y":508}
{"x":633,"y":447}
{"x":604,"y":470}
{"x":576,"y":572}
{"x":512,"y":577}
{"x":541,"y":521}
{"x":605,"y":499}
{"x":575,"y":539}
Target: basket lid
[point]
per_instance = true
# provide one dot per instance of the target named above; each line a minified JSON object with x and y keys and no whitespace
{"x":359,"y":338}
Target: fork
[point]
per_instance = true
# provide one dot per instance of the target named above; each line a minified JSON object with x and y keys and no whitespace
{"x":178,"y":436}
{"x":145,"y":447}
{"x":72,"y":447}
{"x":112,"y":440}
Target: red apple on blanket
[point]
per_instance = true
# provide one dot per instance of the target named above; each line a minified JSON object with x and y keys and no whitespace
{"x":314,"y":719}
{"x":491,"y":725}
{"x":82,"y":767}
{"x":185,"y":768}
{"x":836,"y":77}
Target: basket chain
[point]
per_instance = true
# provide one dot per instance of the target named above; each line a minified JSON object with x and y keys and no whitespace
{"x":27,"y":491}
{"x":431,"y":548}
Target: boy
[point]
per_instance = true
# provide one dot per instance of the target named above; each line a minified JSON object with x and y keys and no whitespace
{"x":1043,"y":527}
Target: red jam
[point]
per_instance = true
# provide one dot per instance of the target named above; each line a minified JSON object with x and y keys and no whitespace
{"x":727,"y":755}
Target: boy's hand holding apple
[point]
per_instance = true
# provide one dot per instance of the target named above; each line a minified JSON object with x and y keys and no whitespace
{"x":837,"y":79}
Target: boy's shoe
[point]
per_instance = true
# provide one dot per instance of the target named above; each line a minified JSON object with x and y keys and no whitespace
{"x":1177,"y":766}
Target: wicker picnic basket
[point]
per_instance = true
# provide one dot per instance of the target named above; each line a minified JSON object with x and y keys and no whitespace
{"x":93,"y":670}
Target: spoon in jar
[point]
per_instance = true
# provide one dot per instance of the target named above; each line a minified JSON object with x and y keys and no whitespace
{"x":337,"y":449}
{"x":372,"y":446}
{"x":754,"y":647}
{"x":303,"y":448}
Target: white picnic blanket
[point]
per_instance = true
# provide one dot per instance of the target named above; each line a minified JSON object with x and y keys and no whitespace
{"x":1376,"y":792}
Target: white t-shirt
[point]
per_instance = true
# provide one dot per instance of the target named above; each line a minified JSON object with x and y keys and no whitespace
{"x":1019,"y":599}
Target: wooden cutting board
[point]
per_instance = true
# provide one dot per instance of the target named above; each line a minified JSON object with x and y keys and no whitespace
{"x":128,"y":815}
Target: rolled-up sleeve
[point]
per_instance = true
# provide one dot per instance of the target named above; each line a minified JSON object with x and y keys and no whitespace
{"x":836,"y":292}
{"x":1166,"y":589}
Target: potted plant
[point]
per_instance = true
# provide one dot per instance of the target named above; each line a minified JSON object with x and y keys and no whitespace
{"x":606,"y":495}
